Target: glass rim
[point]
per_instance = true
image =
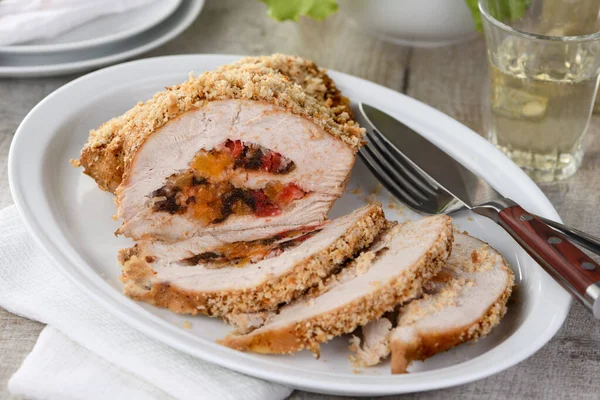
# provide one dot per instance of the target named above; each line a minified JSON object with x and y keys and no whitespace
{"x":534,"y":36}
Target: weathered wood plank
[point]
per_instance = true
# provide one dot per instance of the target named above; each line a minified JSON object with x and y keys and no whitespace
{"x":449,"y":79}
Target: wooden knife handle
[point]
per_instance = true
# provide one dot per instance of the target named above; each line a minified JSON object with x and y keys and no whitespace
{"x":571,"y":267}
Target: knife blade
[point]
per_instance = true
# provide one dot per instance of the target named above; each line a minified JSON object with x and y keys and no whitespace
{"x":448,"y":173}
{"x":567,"y":264}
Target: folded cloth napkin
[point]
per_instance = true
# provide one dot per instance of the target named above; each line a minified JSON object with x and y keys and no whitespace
{"x":86,"y":353}
{"x":25,"y":20}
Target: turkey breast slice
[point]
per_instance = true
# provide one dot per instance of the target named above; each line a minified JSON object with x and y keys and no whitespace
{"x":463,"y":302}
{"x":256,"y":286}
{"x":289,"y":82}
{"x":187,"y":248}
{"x":322,"y":167}
{"x":388,"y":274}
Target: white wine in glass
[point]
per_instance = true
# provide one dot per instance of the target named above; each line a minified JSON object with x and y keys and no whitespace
{"x":542,"y":87}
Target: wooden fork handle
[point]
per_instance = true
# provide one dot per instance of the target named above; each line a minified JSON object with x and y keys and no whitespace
{"x":572,"y":268}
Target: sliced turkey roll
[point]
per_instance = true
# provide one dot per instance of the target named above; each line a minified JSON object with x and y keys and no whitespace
{"x":241,"y":153}
{"x":387,"y":274}
{"x":217,"y":282}
{"x":463,"y":302}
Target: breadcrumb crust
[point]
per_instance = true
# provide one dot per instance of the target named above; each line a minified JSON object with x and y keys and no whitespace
{"x":310,"y":333}
{"x":428,"y":344}
{"x":307,"y":91}
{"x":138,"y":277}
{"x":305,"y":73}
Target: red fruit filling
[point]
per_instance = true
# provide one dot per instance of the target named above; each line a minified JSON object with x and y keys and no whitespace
{"x":204,"y":193}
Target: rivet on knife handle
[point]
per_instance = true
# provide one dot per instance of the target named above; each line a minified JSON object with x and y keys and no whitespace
{"x":571,"y":267}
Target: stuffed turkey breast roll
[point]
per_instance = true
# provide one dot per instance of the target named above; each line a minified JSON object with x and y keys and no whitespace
{"x":242,"y":153}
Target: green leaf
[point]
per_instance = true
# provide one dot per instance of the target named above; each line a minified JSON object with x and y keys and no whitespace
{"x":474,"y":7}
{"x":502,"y":10}
{"x":282,"y":10}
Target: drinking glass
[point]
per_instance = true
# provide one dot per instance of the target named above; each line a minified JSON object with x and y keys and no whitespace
{"x":544,"y":62}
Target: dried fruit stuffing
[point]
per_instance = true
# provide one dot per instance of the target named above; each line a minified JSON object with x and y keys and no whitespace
{"x":205,"y":193}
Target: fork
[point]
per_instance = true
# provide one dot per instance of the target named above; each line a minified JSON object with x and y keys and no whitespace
{"x":417,"y":191}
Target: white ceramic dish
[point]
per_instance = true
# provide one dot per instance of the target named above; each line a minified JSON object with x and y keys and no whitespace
{"x":104,"y":30}
{"x":430,"y":23}
{"x":62,"y":63}
{"x":71,"y":219}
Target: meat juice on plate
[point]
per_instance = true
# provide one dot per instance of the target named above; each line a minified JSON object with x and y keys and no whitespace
{"x":541,"y":102}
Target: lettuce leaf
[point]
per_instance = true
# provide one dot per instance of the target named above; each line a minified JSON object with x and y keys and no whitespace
{"x":282,"y":10}
{"x":502,"y":10}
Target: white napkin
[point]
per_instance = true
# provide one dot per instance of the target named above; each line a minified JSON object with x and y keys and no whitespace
{"x":102,"y":358}
{"x":25,"y":20}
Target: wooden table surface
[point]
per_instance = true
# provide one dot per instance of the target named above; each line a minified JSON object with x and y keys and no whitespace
{"x":448,"y":79}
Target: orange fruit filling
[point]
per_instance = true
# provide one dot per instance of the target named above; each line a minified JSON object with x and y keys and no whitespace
{"x":204,"y":193}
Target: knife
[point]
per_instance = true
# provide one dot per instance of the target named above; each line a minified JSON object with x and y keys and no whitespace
{"x":567,"y":264}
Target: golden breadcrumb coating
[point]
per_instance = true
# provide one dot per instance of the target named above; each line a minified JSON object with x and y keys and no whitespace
{"x":431,"y":344}
{"x":305,"y":73}
{"x":428,"y":343}
{"x":310,"y":333}
{"x":110,"y":149}
{"x":274,"y":290}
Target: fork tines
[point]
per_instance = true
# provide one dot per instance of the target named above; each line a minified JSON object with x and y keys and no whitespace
{"x":401,"y":178}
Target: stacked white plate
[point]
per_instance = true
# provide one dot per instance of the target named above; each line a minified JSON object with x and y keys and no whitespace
{"x":101,"y":42}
